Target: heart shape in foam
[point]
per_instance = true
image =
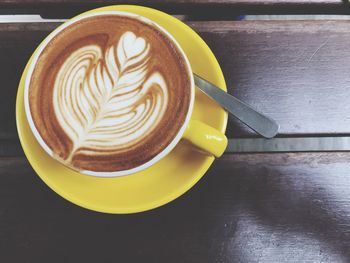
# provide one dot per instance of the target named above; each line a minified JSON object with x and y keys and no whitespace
{"x":133,"y":45}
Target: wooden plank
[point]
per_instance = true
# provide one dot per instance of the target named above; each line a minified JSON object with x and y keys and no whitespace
{"x":198,"y":2}
{"x":294,"y":71}
{"x":197,"y":9}
{"x":248,"y":208}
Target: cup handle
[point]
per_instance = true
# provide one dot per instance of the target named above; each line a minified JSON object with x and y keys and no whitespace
{"x":206,"y":138}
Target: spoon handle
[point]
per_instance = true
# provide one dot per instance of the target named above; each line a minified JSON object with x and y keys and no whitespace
{"x":260,"y":123}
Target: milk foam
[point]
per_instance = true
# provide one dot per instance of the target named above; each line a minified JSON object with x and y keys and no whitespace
{"x":107,"y":102}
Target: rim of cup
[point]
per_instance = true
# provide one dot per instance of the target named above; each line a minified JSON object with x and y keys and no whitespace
{"x":31,"y":68}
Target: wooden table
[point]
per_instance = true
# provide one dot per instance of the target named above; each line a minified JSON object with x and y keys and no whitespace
{"x":255,"y":207}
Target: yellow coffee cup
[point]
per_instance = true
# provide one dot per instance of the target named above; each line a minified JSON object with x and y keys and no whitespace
{"x":200,"y":135}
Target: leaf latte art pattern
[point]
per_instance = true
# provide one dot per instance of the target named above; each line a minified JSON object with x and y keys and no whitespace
{"x":107,"y":101}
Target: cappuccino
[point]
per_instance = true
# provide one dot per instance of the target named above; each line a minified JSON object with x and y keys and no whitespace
{"x":109,"y":93}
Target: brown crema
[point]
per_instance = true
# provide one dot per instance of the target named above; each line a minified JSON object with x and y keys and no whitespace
{"x":104,"y":31}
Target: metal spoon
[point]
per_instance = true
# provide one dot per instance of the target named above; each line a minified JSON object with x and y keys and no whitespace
{"x":260,"y":123}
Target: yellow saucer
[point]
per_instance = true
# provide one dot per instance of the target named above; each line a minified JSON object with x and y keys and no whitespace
{"x":159,"y":184}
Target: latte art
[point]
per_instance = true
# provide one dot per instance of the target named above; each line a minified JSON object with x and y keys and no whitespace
{"x":109,"y":101}
{"x":109,"y":93}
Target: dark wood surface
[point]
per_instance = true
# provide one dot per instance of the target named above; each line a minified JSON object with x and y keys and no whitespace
{"x":248,"y":208}
{"x":196,"y":9}
{"x":286,"y":207}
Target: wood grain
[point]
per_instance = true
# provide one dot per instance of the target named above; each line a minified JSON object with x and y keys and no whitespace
{"x":195,"y":9}
{"x":248,"y":208}
{"x":199,"y":2}
{"x":294,"y":71}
